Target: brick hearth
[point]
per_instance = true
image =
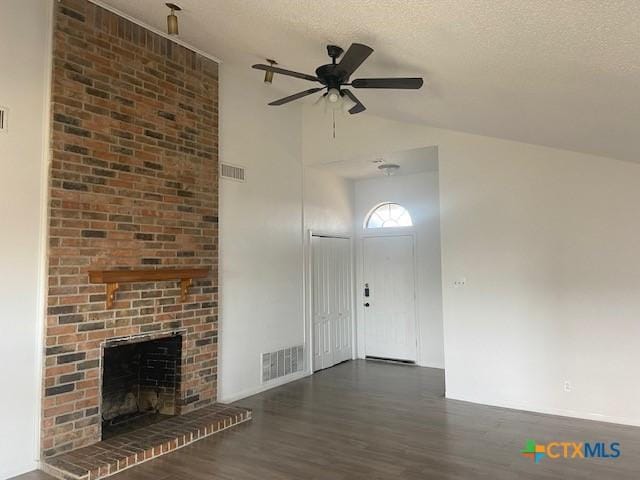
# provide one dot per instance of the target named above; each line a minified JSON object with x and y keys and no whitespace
{"x":112,"y":456}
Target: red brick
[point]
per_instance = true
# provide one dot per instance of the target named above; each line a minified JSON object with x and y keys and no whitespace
{"x":103,"y":191}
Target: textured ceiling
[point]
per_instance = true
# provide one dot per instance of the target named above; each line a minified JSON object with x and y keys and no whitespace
{"x":550,"y":72}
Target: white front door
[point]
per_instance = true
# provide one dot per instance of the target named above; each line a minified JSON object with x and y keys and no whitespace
{"x":331,"y":299}
{"x":389,"y":310}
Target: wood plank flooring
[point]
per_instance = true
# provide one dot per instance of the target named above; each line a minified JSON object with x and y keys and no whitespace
{"x":371,"y":420}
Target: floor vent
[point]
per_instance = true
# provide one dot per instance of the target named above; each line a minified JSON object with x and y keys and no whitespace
{"x":232,"y":172}
{"x":282,"y":362}
{"x":3,"y":119}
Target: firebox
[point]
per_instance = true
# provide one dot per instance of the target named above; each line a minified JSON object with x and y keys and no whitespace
{"x":140,"y":382}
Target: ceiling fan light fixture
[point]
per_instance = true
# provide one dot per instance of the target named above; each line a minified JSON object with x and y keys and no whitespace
{"x":172,"y":19}
{"x":333,"y":95}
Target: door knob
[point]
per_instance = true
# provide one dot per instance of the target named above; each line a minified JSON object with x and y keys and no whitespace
{"x":366,"y":304}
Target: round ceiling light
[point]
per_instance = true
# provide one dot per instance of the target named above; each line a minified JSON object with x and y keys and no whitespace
{"x":389,"y":168}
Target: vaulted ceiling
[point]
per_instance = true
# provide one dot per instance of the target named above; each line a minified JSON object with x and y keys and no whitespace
{"x":564,"y":74}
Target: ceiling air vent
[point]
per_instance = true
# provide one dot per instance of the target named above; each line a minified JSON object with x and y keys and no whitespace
{"x":3,"y":119}
{"x":232,"y":172}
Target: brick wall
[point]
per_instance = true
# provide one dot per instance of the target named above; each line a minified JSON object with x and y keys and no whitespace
{"x":133,"y":185}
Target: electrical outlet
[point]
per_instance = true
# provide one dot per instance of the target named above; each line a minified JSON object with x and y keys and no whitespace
{"x":567,"y":386}
{"x":459,"y":282}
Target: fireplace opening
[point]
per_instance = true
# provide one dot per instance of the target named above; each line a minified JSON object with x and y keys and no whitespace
{"x":140,"y":383}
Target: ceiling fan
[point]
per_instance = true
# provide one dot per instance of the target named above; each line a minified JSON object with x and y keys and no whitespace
{"x":335,"y":76}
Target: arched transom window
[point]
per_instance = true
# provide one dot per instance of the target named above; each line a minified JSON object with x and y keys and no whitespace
{"x":389,"y":215}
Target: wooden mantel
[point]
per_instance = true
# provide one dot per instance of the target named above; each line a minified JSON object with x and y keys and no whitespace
{"x":113,"y":279}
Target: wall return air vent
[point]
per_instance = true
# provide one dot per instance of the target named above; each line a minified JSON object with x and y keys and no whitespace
{"x":282,"y":362}
{"x":232,"y":172}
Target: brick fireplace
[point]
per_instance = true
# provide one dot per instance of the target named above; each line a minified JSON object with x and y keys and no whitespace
{"x":133,"y":185}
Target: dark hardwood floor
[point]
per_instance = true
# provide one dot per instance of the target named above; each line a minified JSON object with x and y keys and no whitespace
{"x":372,"y":420}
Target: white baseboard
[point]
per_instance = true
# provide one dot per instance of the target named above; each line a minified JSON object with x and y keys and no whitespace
{"x":234,"y":397}
{"x":430,"y":365}
{"x":15,"y":471}
{"x":598,"y":417}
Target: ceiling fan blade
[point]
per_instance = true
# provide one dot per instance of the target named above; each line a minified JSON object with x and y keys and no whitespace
{"x":282,"y":71}
{"x":358,"y":107}
{"x":354,"y":57}
{"x":296,"y":96}
{"x":404,"y":83}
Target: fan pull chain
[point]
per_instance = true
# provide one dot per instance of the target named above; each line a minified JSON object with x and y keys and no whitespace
{"x":333,"y":114}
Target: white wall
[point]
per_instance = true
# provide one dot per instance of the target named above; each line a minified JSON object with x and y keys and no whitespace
{"x":264,"y":226}
{"x":261,"y":231}
{"x":24,"y":58}
{"x":418,"y":193}
{"x":548,"y":242}
{"x":328,"y":210}
{"x":328,"y":202}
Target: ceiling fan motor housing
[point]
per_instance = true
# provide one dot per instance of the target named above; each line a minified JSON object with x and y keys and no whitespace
{"x":332,"y":75}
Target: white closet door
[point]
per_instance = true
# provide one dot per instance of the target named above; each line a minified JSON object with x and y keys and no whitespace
{"x":343,"y":302}
{"x":331,"y":300}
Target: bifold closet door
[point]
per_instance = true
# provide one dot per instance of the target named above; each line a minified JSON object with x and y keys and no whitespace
{"x":331,"y":300}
